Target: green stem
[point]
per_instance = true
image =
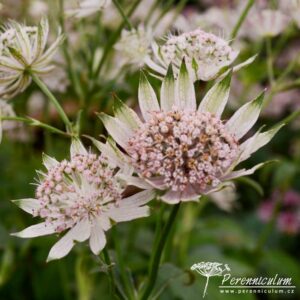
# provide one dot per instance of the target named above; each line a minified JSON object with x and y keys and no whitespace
{"x":157,"y":253}
{"x":110,"y":272}
{"x":189,"y":218}
{"x":71,"y":70}
{"x":124,"y":275}
{"x":291,"y":117}
{"x":270,"y":61}
{"x":122,"y":13}
{"x":37,"y":123}
{"x":54,"y":101}
{"x":270,"y":225}
{"x":291,"y":66}
{"x":113,"y":39}
{"x":241,"y":20}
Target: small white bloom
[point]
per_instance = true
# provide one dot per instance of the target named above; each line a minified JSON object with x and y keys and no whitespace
{"x":291,"y":8}
{"x":84,"y":196}
{"x":205,"y":54}
{"x":87,"y":7}
{"x":37,"y":9}
{"x":183,"y":149}
{"x":23,"y":49}
{"x":134,"y":46}
{"x":267,"y":22}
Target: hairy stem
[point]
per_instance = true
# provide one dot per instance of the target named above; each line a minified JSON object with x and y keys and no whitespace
{"x":157,"y":253}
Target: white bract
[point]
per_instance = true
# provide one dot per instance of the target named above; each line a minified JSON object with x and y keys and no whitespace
{"x":23,"y":50}
{"x":87,"y":7}
{"x":84,"y":196}
{"x":206,"y":55}
{"x":183,"y":149}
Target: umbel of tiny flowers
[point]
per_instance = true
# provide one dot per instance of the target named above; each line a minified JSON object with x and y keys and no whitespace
{"x":23,"y":53}
{"x":183,"y":150}
{"x":83,"y":196}
{"x":206,"y":55}
{"x":209,"y":269}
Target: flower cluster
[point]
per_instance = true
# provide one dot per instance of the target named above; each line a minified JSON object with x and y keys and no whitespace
{"x":22,"y":51}
{"x":205,"y":54}
{"x":183,"y":150}
{"x":62,"y":205}
{"x":82,"y":195}
{"x":184,"y":147}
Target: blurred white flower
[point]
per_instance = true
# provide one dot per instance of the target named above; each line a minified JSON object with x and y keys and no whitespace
{"x":22,"y":50}
{"x":205,"y":54}
{"x":267,"y":22}
{"x":183,"y":149}
{"x":84,"y":196}
{"x":37,"y":9}
{"x":215,"y":19}
{"x":291,"y":8}
{"x":134,"y":46}
{"x":87,"y":7}
{"x":159,"y":21}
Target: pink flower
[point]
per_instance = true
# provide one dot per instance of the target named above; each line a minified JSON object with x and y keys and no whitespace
{"x":83,"y":196}
{"x":183,"y":149}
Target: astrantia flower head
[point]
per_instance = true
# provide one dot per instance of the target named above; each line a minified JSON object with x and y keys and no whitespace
{"x":205,"y":54}
{"x":82,"y":195}
{"x":88,"y":7}
{"x":181,"y":149}
{"x":134,"y":46}
{"x":23,"y":50}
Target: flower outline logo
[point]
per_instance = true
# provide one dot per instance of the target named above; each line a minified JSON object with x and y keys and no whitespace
{"x":209,"y":269}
